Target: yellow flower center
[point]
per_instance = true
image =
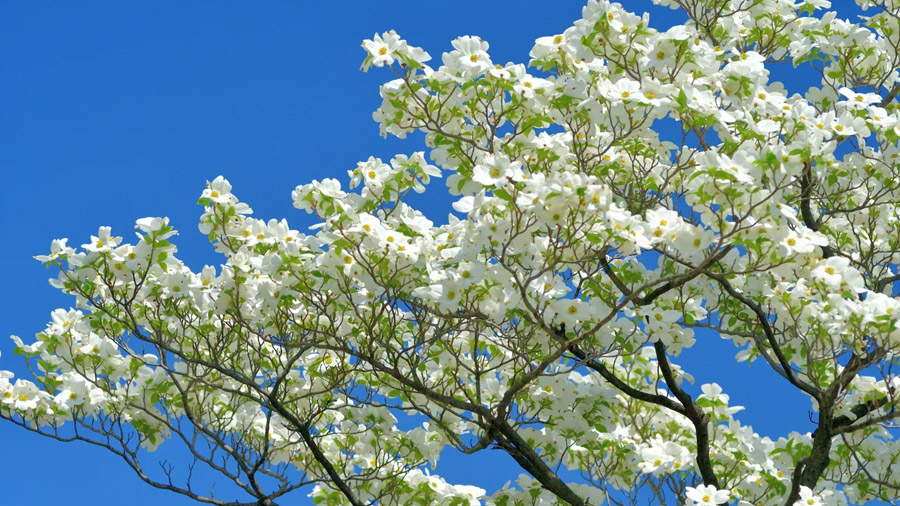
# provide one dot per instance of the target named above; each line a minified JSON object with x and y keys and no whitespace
{"x":382,"y":51}
{"x":829,"y":270}
{"x":558,"y":39}
{"x":473,"y":58}
{"x":214,"y":194}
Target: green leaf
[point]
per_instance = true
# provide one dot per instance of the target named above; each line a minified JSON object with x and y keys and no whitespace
{"x":501,"y":193}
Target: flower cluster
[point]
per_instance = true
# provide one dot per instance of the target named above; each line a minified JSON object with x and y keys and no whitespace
{"x":585,"y":251}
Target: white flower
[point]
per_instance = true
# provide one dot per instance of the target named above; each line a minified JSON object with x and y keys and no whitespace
{"x":807,"y":498}
{"x":859,"y":100}
{"x":622,"y":90}
{"x":748,"y":63}
{"x":382,"y":49}
{"x":151,"y":224}
{"x":834,"y":270}
{"x":58,"y":249}
{"x":102,"y":242}
{"x":218,"y":190}
{"x":654,"y":460}
{"x":23,"y":396}
{"x":495,"y":169}
{"x":551,"y":45}
{"x":664,"y":457}
{"x":707,"y":495}
{"x":807,"y":243}
{"x":528,"y":85}
{"x":470,"y":56}
{"x":713,"y":391}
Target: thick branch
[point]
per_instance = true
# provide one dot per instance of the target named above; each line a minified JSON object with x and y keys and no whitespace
{"x":811,"y":222}
{"x":497,"y":427}
{"x":859,"y":411}
{"x":526,"y":457}
{"x":320,"y":457}
{"x":890,"y":96}
{"x":600,"y":368}
{"x":665,"y":287}
{"x":694,"y":414}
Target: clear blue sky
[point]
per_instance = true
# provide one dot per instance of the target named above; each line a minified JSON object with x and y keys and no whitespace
{"x":110,"y":113}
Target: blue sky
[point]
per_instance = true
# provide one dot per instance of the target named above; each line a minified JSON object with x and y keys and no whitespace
{"x":112,"y":113}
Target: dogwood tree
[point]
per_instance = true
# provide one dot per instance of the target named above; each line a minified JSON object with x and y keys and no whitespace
{"x":589,"y":243}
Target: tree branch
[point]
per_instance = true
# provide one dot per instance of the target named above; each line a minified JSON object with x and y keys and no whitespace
{"x":785,"y":367}
{"x":694,"y":414}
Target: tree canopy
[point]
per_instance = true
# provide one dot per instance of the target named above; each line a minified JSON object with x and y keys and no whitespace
{"x":627,"y":191}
